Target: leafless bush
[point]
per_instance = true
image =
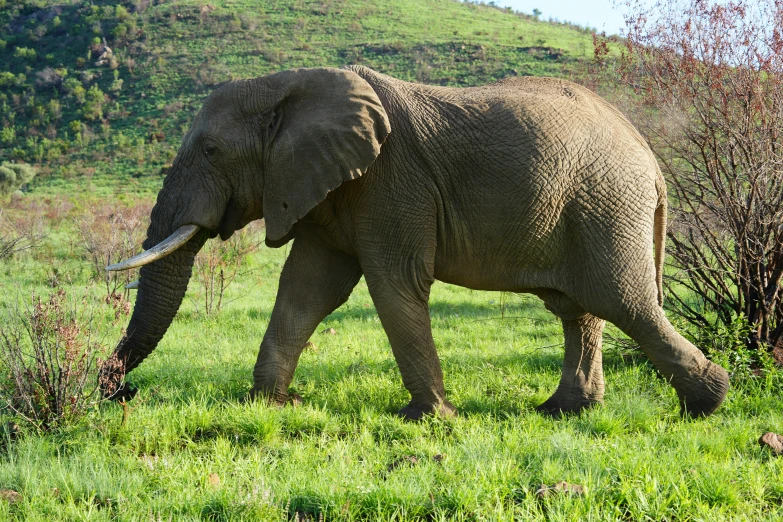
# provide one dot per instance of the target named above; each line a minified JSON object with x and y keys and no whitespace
{"x":110,"y":233}
{"x":11,"y":243}
{"x":219,"y":262}
{"x":174,"y":107}
{"x":49,"y":360}
{"x":707,"y":92}
{"x":15,"y":236}
{"x":48,"y":77}
{"x":12,"y":240}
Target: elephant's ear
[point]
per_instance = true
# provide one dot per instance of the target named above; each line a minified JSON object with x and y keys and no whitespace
{"x":327,"y":128}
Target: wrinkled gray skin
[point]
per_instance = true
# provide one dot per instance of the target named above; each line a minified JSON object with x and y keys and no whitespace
{"x":526,"y":185}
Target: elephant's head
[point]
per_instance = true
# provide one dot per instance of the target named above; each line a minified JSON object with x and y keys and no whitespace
{"x":271,"y":147}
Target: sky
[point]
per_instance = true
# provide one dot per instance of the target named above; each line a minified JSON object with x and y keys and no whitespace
{"x":595,"y":13}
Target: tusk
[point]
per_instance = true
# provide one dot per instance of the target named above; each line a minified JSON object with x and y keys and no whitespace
{"x":133,"y":285}
{"x":180,"y":236}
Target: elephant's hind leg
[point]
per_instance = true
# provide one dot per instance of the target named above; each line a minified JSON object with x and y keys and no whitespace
{"x":632,"y":305}
{"x":701,"y":385}
{"x":582,"y":381}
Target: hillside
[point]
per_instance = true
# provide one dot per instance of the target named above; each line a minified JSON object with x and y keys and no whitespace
{"x":107,"y":121}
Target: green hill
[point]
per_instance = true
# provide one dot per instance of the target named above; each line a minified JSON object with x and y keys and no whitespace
{"x":107,"y":121}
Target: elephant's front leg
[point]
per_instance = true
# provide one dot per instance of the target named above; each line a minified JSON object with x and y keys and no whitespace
{"x":401,"y":295}
{"x":314,"y":282}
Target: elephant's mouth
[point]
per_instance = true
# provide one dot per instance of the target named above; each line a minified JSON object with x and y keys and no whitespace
{"x":235,"y":217}
{"x":230,"y":222}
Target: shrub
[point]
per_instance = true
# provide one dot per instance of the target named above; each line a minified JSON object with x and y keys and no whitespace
{"x":93,"y":105}
{"x":75,"y":88}
{"x":7,"y":181}
{"x":7,"y":135}
{"x":121,"y":13}
{"x":727,"y":345}
{"x":13,"y":176}
{"x":55,"y":109}
{"x":24,"y":52}
{"x":116,"y":85}
{"x":120,"y":32}
{"x":9,"y":79}
{"x":50,"y":357}
{"x":12,"y":240}
{"x":28,"y":217}
{"x":49,"y":76}
{"x":218,"y":264}
{"x":110,"y":234}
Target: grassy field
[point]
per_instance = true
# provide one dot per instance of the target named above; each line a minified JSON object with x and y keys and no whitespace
{"x":189,"y":448}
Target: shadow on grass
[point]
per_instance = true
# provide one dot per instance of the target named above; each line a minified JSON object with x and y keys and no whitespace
{"x":442,"y":309}
{"x":192,"y":382}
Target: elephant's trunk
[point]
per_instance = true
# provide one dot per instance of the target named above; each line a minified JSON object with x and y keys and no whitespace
{"x":162,"y":287}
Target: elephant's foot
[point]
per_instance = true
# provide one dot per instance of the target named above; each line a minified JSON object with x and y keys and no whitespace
{"x":414,"y":411}
{"x":277,"y":399}
{"x":563,"y":403}
{"x":700,"y":396}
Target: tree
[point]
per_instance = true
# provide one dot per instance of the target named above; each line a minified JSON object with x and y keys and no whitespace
{"x":13,"y":176}
{"x":707,"y":85}
{"x":93,"y":105}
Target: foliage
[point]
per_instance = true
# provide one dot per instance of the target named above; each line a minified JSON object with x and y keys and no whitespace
{"x":93,"y":104}
{"x":24,"y":52}
{"x":219,"y":263}
{"x":707,"y":79}
{"x":49,"y":361}
{"x":13,"y":176}
{"x":728,"y":346}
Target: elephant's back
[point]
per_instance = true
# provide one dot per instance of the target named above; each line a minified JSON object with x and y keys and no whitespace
{"x":564,"y":129}
{"x":541,"y":162}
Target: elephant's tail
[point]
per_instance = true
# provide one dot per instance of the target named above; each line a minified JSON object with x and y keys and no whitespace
{"x":659,"y":236}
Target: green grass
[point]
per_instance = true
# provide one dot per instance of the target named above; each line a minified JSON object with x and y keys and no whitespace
{"x":344,"y":454}
{"x":189,"y":448}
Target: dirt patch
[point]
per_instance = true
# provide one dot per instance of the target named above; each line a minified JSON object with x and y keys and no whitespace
{"x":773,"y":441}
{"x":10,"y":496}
{"x":561,"y":488}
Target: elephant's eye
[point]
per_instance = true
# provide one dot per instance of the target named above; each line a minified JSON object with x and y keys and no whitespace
{"x":274,"y":122}
{"x":210,"y":149}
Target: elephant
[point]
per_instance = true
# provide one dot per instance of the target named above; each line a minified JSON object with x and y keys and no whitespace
{"x":529,"y":184}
